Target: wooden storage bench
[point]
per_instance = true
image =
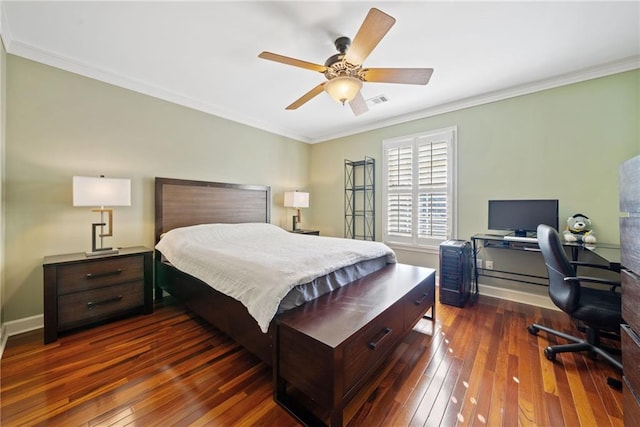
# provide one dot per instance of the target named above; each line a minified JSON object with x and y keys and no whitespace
{"x":329,"y":348}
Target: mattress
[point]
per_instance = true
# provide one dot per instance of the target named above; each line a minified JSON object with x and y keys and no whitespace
{"x":309,"y":291}
{"x":267,"y":268}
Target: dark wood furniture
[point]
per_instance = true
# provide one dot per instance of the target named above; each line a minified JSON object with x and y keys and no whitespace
{"x":630,"y":260}
{"x":81,"y":291}
{"x":329,"y":348}
{"x":312,"y":232}
{"x":180,"y":203}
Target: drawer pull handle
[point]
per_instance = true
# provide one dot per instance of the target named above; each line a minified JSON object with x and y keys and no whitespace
{"x":385,"y":333}
{"x":107,"y":273}
{"x":93,"y":304}
{"x":421,"y":300}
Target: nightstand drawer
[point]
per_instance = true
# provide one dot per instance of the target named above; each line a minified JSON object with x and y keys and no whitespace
{"x":88,"y":306}
{"x":99,"y":273}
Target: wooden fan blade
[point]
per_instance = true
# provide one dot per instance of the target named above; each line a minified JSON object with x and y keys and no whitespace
{"x":412,"y":76}
{"x":292,"y":61}
{"x":306,"y":97}
{"x":373,"y":29}
{"x":358,"y":104}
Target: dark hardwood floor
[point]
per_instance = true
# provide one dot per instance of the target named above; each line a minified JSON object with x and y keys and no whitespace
{"x":479,"y":367}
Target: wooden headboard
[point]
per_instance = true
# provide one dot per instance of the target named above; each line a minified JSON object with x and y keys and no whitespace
{"x":181,"y":203}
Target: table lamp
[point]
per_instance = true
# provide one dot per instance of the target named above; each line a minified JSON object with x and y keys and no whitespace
{"x":93,"y":191}
{"x":296,"y":200}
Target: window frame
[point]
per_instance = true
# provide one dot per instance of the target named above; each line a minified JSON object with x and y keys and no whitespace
{"x":414,"y":242}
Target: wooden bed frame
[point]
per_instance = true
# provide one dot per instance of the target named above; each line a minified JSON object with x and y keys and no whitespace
{"x":180,"y":203}
{"x":326,"y":349}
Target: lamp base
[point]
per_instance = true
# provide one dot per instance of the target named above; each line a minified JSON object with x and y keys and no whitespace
{"x":95,"y":250}
{"x":105,"y":251}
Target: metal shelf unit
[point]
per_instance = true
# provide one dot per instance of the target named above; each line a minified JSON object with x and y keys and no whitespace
{"x":359,"y":199}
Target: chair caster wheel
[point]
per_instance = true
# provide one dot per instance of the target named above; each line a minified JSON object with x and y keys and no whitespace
{"x":533,"y":330}
{"x":550,"y":354}
{"x":614,"y":383}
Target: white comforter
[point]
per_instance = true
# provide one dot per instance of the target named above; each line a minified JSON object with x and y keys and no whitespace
{"x":258,"y":264}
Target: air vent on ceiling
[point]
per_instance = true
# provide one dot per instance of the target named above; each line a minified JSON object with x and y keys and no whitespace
{"x":377,"y":100}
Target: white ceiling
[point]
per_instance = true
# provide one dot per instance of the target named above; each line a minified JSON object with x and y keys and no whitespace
{"x":205,"y":54}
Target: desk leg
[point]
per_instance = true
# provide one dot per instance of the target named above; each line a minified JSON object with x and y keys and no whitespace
{"x":574,"y":253}
{"x":474,"y":281}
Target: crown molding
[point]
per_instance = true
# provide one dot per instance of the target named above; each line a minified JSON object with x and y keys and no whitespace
{"x":85,"y":69}
{"x":626,"y":64}
{"x":109,"y":76}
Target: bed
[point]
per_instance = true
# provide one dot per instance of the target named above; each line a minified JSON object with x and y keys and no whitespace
{"x":298,"y":268}
{"x":362,"y":321}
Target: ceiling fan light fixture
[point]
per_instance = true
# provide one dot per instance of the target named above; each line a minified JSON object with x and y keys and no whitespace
{"x":343,"y":88}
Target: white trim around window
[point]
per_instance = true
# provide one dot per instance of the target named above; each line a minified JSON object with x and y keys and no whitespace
{"x":419,"y":189}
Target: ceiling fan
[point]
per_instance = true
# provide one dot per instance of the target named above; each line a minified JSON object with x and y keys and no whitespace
{"x":344,"y":72}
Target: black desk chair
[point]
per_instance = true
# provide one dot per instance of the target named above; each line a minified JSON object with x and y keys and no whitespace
{"x":597,"y":309}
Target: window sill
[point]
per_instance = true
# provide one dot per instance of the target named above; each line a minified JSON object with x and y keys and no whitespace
{"x":414,"y":248}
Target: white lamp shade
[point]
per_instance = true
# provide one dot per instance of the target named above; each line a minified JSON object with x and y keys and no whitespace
{"x":93,"y":191}
{"x":296,"y":199}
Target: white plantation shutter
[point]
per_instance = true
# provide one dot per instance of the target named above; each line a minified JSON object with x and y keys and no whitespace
{"x":399,"y":183}
{"x":432,"y":183}
{"x":418,"y":192}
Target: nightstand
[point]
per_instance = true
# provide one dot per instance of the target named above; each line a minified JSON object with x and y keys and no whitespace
{"x":80,"y":291}
{"x":313,"y":232}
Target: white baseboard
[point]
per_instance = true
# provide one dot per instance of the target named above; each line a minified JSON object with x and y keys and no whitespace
{"x":537,"y":299}
{"x":517,"y":296}
{"x":3,"y":339}
{"x":16,"y":327}
{"x":27,"y":324}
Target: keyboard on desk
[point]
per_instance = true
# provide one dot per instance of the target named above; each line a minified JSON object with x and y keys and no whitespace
{"x":521,"y":239}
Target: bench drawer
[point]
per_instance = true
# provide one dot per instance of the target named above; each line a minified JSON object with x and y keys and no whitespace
{"x":371,"y":344}
{"x":418,"y":302}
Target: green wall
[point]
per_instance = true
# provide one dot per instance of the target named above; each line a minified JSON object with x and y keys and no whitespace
{"x":60,"y":124}
{"x":563,"y":143}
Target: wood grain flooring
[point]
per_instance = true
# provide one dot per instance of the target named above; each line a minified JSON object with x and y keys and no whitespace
{"x":478,"y":367}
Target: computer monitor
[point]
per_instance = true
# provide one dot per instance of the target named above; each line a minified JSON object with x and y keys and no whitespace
{"x":522,"y":216}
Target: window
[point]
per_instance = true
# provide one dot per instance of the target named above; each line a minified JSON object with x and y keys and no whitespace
{"x":418,"y":189}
